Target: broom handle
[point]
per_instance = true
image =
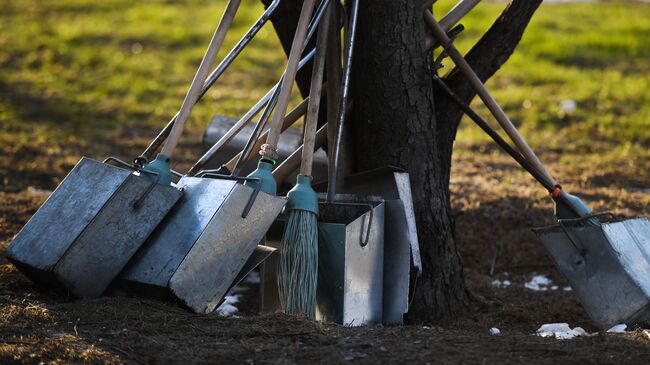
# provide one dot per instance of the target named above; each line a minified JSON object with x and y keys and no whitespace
{"x":242,"y":122}
{"x":269,"y":150}
{"x":315,"y":90}
{"x":288,"y":121}
{"x":483,"y":93}
{"x":201,"y":74}
{"x":291,"y":163}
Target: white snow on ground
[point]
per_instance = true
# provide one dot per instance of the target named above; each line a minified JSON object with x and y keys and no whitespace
{"x":227,"y":308}
{"x":501,"y":283}
{"x":495,"y":331}
{"x":561,"y":331}
{"x":538,"y":283}
{"x":619,"y":328}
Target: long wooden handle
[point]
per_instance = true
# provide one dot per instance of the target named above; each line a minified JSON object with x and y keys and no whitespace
{"x":484,"y":94}
{"x":291,"y":163}
{"x":201,"y":74}
{"x":214,"y":76}
{"x":315,"y":90}
{"x":269,"y":149}
{"x":288,"y":121}
{"x":453,"y":16}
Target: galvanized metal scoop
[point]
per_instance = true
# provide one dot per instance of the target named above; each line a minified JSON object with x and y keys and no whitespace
{"x":608,"y":266}
{"x":607,"y":261}
{"x":207,"y":240}
{"x":99,"y":216}
{"x":91,"y":225}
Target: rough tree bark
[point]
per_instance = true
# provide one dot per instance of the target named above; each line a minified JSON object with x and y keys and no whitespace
{"x":400,"y":119}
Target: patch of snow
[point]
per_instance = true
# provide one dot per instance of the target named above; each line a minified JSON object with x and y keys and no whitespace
{"x":619,"y":328}
{"x":501,"y":284}
{"x":228,"y":308}
{"x":561,"y":331}
{"x":538,"y":283}
{"x":426,"y":327}
{"x":568,"y":106}
{"x":495,"y":331}
{"x":252,"y":278}
{"x":567,"y":288}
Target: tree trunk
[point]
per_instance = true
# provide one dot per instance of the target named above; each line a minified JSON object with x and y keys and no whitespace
{"x":399,"y":119}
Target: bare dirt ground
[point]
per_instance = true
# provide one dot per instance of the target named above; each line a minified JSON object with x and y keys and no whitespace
{"x":495,"y":205}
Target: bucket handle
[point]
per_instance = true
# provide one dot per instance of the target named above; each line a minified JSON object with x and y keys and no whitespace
{"x":365,"y":238}
{"x":251,"y":199}
{"x":138,"y":202}
{"x":582,"y":250}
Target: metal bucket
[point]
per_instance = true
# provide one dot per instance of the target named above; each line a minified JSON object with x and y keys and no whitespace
{"x":91,"y":225}
{"x":350,"y":262}
{"x":204,"y":242}
{"x":608,"y":266}
{"x":401,"y":237}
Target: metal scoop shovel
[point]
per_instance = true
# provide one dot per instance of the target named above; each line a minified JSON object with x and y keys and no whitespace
{"x":206,"y":241}
{"x":90,"y":226}
{"x":607,"y":261}
{"x":99,"y":216}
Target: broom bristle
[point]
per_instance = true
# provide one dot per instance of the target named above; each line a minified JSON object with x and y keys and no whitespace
{"x":298,"y":268}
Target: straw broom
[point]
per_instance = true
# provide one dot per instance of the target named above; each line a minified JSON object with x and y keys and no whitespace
{"x":298,"y":268}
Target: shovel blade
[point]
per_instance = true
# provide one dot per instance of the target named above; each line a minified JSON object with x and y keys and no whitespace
{"x":220,"y":252}
{"x":608,"y":268}
{"x":89,"y":228}
{"x":155,"y":263}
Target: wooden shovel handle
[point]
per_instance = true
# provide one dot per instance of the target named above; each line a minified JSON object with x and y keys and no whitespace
{"x":200,"y":76}
{"x":288,"y":121}
{"x":490,"y":102}
{"x":291,"y":163}
{"x":287,"y":81}
{"x":452,"y":17}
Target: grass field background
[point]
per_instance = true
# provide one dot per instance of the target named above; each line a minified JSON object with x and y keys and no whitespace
{"x":74,"y":71}
{"x":100,"y":78}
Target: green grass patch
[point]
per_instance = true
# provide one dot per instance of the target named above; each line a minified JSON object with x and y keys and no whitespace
{"x":73,"y":68}
{"x":594,"y":54}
